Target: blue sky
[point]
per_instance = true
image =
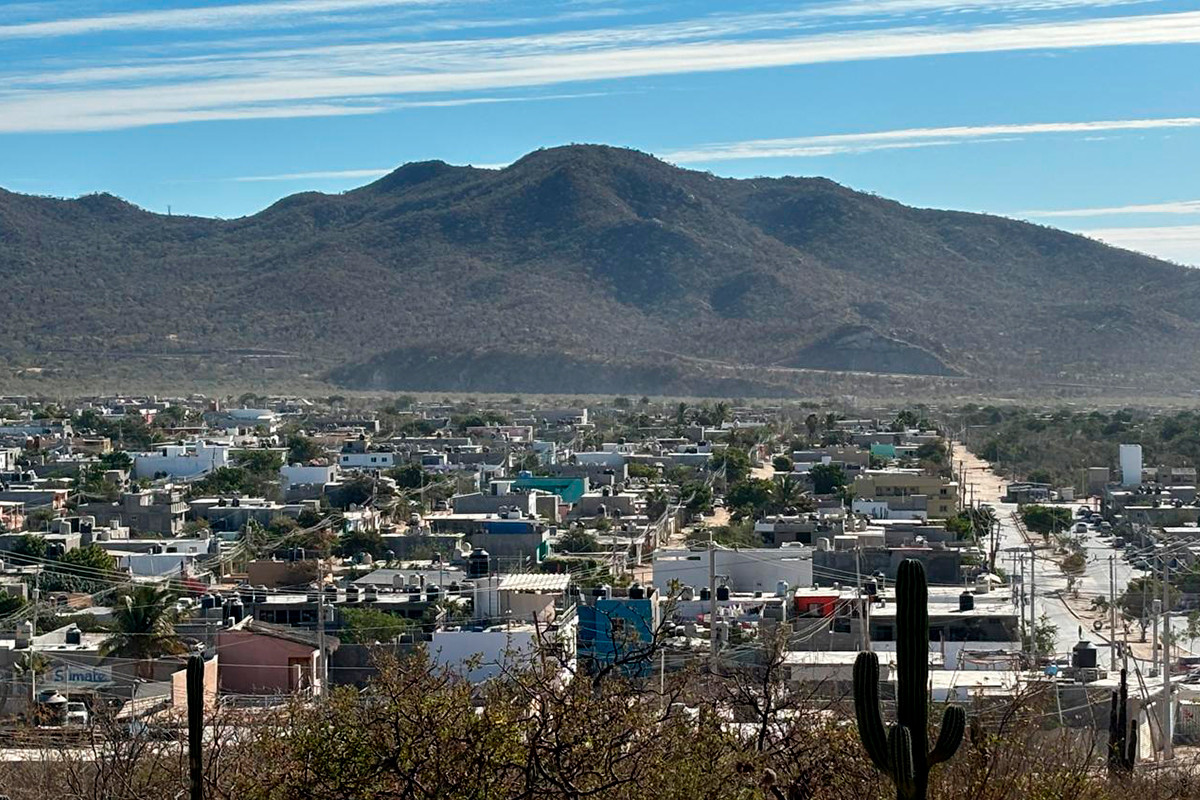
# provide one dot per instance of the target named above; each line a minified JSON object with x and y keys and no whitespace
{"x":1084,"y":114}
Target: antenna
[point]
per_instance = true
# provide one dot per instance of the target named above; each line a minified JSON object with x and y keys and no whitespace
{"x":168,"y":209}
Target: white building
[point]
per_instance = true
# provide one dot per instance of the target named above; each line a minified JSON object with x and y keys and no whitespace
{"x":181,"y":460}
{"x":368,"y":460}
{"x":301,"y":475}
{"x":742,"y":570}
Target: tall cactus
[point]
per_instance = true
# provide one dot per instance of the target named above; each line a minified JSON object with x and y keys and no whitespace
{"x":1122,"y":739}
{"x":900,"y":750}
{"x":195,"y":713}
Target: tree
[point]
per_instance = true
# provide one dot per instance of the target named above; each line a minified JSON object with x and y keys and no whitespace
{"x":1193,"y":628}
{"x":735,"y":462}
{"x":1137,"y":601}
{"x":409,"y":476}
{"x":577,"y":540}
{"x":751,"y":495}
{"x":352,"y":543}
{"x":782,"y":463}
{"x":118,"y":459}
{"x":30,"y":546}
{"x":657,"y":503}
{"x":812,"y":424}
{"x":369,"y":625}
{"x":1045,"y":519}
{"x":787,"y":493}
{"x":696,"y":497}
{"x":357,"y":491}
{"x":1045,"y":636}
{"x":827,"y":478}
{"x":84,"y":569}
{"x":144,"y":628}
{"x":302,"y":449}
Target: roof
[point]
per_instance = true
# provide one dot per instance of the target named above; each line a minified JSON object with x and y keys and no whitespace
{"x":535,"y":582}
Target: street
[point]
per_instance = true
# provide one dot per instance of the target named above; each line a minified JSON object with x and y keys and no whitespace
{"x":1072,"y":617}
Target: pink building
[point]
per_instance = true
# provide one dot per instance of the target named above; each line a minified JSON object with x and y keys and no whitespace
{"x":259,"y":658}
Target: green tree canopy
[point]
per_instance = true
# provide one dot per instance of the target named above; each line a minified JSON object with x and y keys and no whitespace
{"x":302,"y":449}
{"x":827,"y":478}
{"x":369,"y":625}
{"x":144,"y":627}
{"x":577,"y":540}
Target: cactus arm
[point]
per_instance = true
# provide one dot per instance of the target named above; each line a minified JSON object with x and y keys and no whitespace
{"x":912,"y":652}
{"x":900,"y":754}
{"x":954,"y":723}
{"x":866,"y":708}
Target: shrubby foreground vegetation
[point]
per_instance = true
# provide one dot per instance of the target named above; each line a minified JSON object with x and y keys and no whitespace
{"x":419,"y":732}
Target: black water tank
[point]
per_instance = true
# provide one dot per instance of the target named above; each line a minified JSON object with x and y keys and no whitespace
{"x":432,"y":592}
{"x":74,"y":635}
{"x":207,"y":602}
{"x":871,"y":588}
{"x":636,"y":592}
{"x":705,"y":594}
{"x":235,"y":609}
{"x":478,"y":563}
{"x":722,"y":593}
{"x":966,"y":602}
{"x":1084,"y":656}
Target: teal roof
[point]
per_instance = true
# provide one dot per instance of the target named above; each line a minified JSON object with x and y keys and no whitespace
{"x":569,"y":489}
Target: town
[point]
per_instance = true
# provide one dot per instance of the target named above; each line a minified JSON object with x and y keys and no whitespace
{"x":290,"y":548}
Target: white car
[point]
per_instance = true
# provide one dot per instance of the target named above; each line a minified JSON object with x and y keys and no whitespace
{"x":77,"y":715}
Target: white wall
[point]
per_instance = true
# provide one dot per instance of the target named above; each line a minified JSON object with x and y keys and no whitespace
{"x":1131,"y":464}
{"x":301,"y":475}
{"x":181,"y":461}
{"x":748,"y":570}
{"x":366,"y":460}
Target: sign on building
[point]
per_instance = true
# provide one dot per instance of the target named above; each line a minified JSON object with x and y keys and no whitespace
{"x":78,"y":676}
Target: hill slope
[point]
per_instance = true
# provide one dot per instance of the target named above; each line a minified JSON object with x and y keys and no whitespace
{"x":585,"y":268}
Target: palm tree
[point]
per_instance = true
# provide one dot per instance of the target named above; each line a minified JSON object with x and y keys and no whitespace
{"x":787,"y":493}
{"x":144,"y":622}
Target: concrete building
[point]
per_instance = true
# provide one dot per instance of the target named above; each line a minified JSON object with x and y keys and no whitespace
{"x":884,"y":485}
{"x":178,"y":461}
{"x":741,"y":570}
{"x":163,"y":511}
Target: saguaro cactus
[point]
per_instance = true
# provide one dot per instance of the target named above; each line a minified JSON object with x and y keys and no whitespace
{"x":1122,"y":739}
{"x":900,"y":750}
{"x":195,"y":712}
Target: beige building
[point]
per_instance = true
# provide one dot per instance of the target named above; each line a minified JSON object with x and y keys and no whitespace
{"x":880,"y":485}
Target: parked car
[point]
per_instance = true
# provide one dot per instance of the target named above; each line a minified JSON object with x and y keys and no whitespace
{"x":77,"y":714}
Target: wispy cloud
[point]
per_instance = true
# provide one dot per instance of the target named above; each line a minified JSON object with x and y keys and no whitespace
{"x":1176,"y":242}
{"x":339,"y":76}
{"x":1176,"y":207}
{"x":196,"y":18}
{"x":840,"y":143}
{"x":331,"y":174}
{"x":336,"y":174}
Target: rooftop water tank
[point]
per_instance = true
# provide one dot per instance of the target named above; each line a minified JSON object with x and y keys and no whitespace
{"x":966,"y":602}
{"x":478,"y":563}
{"x":722,"y":592}
{"x":1084,"y":655}
{"x":636,"y":592}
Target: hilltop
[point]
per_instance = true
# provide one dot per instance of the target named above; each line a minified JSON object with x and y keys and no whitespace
{"x":585,"y":268}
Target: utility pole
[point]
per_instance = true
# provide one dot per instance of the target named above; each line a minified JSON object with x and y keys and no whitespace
{"x":1156,"y":609}
{"x":324,"y":671}
{"x":712,"y":595}
{"x":1021,"y":557}
{"x":1112,"y":613}
{"x":1032,"y":606}
{"x":1168,"y":726}
{"x":862,"y":607}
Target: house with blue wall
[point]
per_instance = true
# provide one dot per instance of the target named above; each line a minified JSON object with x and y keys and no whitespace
{"x":619,"y":629}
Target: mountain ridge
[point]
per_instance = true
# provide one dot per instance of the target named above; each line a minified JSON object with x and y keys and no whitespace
{"x":591,"y":257}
